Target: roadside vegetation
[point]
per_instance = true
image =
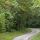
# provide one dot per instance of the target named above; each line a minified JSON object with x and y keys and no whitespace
{"x":18,"y":15}
{"x":9,"y":36}
{"x":36,"y":37}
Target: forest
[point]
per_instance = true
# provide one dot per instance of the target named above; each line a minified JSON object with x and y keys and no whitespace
{"x":19,"y":19}
{"x":17,"y":15}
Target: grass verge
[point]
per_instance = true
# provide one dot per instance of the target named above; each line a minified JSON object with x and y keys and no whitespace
{"x":9,"y":36}
{"x":36,"y":37}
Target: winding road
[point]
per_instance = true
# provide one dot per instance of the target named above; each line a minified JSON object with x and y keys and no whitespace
{"x":28,"y":35}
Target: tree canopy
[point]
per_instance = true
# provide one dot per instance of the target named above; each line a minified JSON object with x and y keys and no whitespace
{"x":19,"y":14}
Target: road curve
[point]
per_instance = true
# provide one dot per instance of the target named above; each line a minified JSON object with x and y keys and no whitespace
{"x":28,"y":35}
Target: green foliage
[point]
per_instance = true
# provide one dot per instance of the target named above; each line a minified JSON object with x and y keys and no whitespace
{"x":9,"y":35}
{"x":2,"y":22}
{"x":25,"y":4}
{"x":36,"y":37}
{"x":19,"y":14}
